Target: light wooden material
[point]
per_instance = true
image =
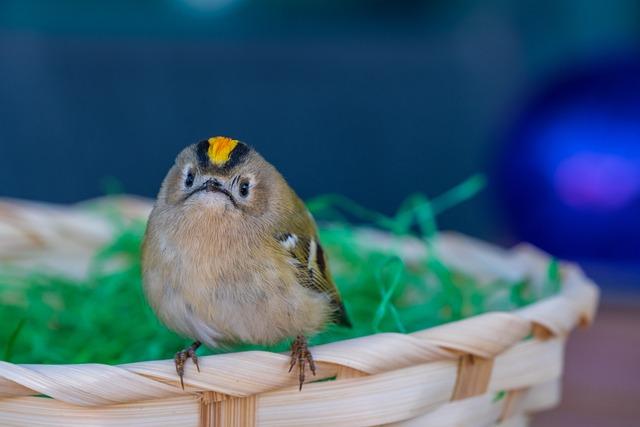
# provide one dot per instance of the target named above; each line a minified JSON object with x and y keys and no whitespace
{"x":442,"y":376}
{"x":239,"y":411}
{"x":473,"y":376}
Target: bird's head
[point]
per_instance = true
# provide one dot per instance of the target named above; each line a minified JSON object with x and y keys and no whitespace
{"x":221,"y":175}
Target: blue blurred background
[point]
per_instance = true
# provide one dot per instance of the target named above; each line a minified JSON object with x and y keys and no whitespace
{"x":373,"y":99}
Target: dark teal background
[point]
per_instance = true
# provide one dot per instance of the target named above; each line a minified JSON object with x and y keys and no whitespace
{"x":372,"y":99}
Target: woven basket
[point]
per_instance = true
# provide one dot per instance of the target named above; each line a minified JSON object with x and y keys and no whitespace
{"x":443,"y":376}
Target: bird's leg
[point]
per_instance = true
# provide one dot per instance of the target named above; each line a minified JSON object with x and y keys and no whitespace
{"x":181,"y":359}
{"x":301,"y":356}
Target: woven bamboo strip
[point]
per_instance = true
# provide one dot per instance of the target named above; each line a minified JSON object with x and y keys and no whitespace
{"x":512,"y":403}
{"x":485,"y":335}
{"x":344,"y":372}
{"x":239,"y":374}
{"x":60,"y":238}
{"x":390,"y":396}
{"x":38,"y":412}
{"x":236,"y":411}
{"x":473,"y":376}
{"x":485,"y":410}
{"x":85,"y":384}
{"x":403,"y":393}
{"x":481,"y":260}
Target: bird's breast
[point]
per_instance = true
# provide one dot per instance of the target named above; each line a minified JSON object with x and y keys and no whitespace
{"x":214,"y":289}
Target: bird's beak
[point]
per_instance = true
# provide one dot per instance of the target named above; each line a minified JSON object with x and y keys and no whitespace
{"x":212,"y":185}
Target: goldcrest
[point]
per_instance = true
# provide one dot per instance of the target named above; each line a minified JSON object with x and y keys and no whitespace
{"x":231,"y":254}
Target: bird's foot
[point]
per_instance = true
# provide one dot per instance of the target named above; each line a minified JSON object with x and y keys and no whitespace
{"x":301,"y":356}
{"x":181,"y":359}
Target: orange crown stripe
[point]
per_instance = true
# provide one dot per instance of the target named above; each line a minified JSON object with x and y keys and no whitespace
{"x":220,"y":149}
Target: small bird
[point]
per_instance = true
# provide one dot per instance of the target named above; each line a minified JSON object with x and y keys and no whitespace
{"x":231,"y":254}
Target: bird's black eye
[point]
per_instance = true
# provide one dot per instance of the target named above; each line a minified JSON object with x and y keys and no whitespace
{"x":188,"y":181}
{"x":244,"y":188}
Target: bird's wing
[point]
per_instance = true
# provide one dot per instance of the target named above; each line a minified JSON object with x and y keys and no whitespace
{"x":311,"y":264}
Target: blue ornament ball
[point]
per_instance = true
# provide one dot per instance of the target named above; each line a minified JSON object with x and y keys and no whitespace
{"x":569,"y":173}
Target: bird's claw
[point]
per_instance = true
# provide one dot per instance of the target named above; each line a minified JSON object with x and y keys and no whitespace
{"x":301,"y":356}
{"x":181,"y":359}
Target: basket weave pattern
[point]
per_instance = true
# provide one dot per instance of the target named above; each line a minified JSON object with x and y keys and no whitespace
{"x":443,"y":376}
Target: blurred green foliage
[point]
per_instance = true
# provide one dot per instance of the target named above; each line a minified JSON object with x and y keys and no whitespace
{"x":47,"y":318}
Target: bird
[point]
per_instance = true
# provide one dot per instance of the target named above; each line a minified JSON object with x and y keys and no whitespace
{"x":231,"y":255}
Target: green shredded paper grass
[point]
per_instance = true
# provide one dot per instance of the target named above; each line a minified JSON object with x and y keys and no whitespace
{"x":104,"y":318}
